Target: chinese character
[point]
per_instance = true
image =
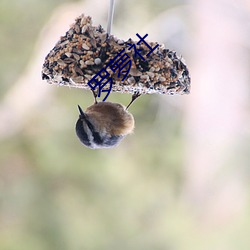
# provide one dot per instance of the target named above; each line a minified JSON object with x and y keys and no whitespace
{"x":103,"y":74}
{"x":118,"y":63}
{"x":142,"y":40}
{"x":136,"y":51}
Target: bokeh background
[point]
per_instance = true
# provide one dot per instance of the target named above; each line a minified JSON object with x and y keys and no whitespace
{"x":180,"y":182}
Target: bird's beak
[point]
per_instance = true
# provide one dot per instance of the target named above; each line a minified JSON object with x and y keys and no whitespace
{"x":82,"y":115}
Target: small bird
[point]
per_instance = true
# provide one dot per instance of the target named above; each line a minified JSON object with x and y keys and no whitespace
{"x":104,"y":124}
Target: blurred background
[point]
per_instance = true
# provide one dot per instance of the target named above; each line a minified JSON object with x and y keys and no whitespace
{"x":180,"y":182}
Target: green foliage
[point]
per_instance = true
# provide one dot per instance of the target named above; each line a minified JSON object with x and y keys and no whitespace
{"x":20,"y":24}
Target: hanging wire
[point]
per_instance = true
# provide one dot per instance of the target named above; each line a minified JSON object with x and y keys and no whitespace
{"x":110,"y":16}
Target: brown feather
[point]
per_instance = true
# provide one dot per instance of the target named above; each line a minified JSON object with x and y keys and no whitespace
{"x":111,"y":117}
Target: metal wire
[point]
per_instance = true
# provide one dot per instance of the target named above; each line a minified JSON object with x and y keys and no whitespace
{"x":110,"y":15}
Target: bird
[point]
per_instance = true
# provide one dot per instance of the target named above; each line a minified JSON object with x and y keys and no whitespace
{"x":104,"y":124}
